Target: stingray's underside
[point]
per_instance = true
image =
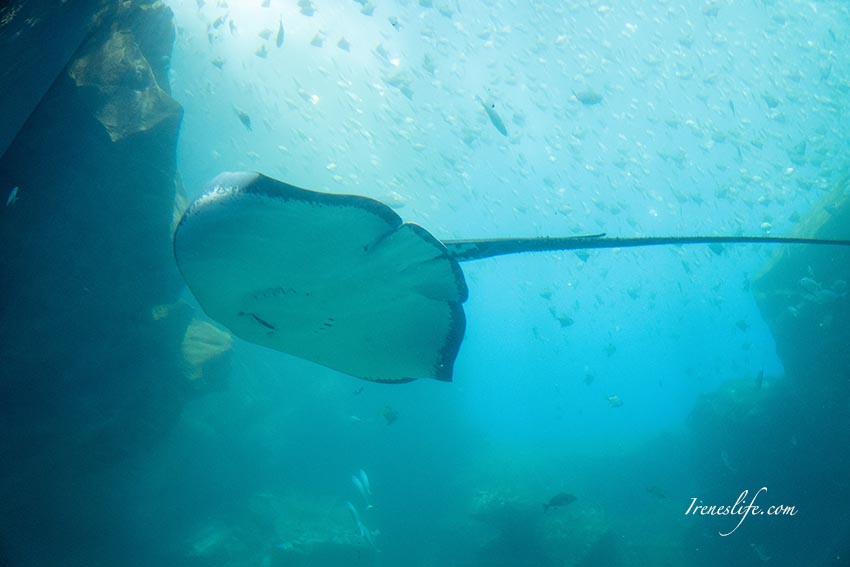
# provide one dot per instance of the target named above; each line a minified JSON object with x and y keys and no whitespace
{"x":339,"y":279}
{"x":335,"y":279}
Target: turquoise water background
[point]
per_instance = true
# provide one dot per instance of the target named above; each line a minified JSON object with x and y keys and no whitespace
{"x":633,"y":379}
{"x":715,"y":118}
{"x":663,"y":153}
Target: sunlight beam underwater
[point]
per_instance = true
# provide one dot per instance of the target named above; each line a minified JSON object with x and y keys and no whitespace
{"x":342,"y":281}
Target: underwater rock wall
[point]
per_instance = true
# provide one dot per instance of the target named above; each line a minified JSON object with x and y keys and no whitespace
{"x":37,"y":39}
{"x":803,"y":295}
{"x":788,"y":434}
{"x":98,"y":355}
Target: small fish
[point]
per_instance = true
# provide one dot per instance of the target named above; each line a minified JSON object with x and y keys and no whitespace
{"x":278,"y":41}
{"x":770,"y":100}
{"x":825,"y":296}
{"x":490,"y":109}
{"x":390,"y":414}
{"x":365,"y":480}
{"x":261,"y":51}
{"x":358,"y":484}
{"x":354,"y":514}
{"x":760,"y":551}
{"x":656,"y":492}
{"x":760,"y":379}
{"x":810,"y":285}
{"x":615,"y":401}
{"x":364,"y":531}
{"x":243,"y":118}
{"x":306,"y":7}
{"x":588,"y":97}
{"x":559,"y":500}
{"x":724,"y":456}
{"x":13,"y":196}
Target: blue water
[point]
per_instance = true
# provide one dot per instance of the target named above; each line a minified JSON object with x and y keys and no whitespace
{"x":706,"y":109}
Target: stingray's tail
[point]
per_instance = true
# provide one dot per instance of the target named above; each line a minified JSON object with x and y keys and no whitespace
{"x":477,"y":249}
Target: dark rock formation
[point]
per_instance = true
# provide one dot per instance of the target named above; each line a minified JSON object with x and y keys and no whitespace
{"x":789,"y":434}
{"x":803,"y":294}
{"x":37,"y":39}
{"x":89,"y":235}
{"x":121,"y":88}
{"x":93,"y":340}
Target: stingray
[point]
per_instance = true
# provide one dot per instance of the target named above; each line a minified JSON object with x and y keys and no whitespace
{"x":342,"y":281}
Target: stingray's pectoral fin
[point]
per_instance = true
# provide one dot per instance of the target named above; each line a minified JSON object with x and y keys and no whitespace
{"x":418,"y":291}
{"x":334,"y":279}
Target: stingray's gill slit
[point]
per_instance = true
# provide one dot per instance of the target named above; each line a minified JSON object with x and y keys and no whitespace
{"x":256,"y":318}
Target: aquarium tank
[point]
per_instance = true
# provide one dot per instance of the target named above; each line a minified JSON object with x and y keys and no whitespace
{"x":424,"y":282}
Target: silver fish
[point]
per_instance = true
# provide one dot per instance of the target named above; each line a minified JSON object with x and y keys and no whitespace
{"x":810,"y":285}
{"x":760,"y":551}
{"x":365,"y":480}
{"x":365,"y":533}
{"x":493,"y":116}
{"x":13,"y":196}
{"x":354,"y":514}
{"x":358,"y":484}
{"x":588,"y":97}
{"x":724,"y":456}
{"x":279,"y":39}
{"x":243,"y":118}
